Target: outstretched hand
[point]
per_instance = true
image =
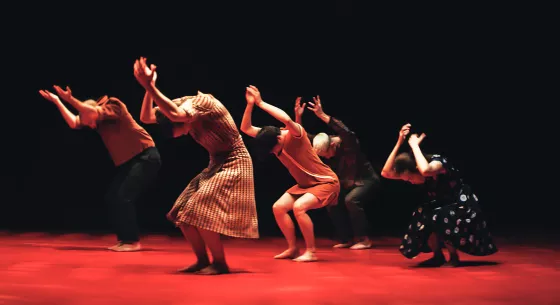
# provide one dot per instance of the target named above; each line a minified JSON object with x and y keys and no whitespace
{"x":405,"y":130}
{"x":65,"y":95}
{"x":50,"y":96}
{"x":415,"y":140}
{"x":316,"y":106}
{"x":252,"y":95}
{"x":299,"y":108}
{"x":144,"y":75}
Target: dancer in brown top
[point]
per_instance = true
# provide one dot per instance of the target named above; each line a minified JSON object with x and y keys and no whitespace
{"x":132,"y":149}
{"x":317,"y":185}
{"x":221,"y":199}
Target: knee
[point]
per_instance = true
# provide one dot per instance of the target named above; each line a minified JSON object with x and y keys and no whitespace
{"x":299,"y":209}
{"x":351,"y":203}
{"x":279,"y":208}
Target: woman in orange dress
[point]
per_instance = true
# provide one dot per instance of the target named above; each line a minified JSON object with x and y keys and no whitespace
{"x":317,"y":185}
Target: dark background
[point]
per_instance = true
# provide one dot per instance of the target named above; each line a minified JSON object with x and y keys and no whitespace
{"x":458,"y":78}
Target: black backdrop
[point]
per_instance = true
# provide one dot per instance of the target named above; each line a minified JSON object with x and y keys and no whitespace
{"x":456,"y":82}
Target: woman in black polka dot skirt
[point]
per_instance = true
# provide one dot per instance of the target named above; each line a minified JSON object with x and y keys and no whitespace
{"x":452,"y":217}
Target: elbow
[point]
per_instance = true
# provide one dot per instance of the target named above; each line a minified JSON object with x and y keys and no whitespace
{"x":244,"y":129}
{"x":147,"y":120}
{"x":424,"y":172}
{"x":385,"y":174}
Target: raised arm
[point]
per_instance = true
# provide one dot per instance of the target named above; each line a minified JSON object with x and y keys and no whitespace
{"x":72,"y":120}
{"x":247,"y":124}
{"x":336,"y":125}
{"x":146,"y":77}
{"x":276,"y":112}
{"x":298,"y":113}
{"x":148,"y":111}
{"x":388,"y":170}
{"x":83,"y":108}
{"x":426,"y":169}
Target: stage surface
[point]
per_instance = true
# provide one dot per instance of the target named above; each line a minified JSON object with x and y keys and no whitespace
{"x":75,"y":269}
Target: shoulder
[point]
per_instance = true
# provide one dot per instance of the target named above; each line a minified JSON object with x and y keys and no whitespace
{"x":302,"y":130}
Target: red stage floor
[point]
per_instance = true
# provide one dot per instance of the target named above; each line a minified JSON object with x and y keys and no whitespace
{"x":75,"y":270}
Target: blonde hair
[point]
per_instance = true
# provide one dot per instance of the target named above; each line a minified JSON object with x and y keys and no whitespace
{"x":321,"y":142}
{"x":90,"y":102}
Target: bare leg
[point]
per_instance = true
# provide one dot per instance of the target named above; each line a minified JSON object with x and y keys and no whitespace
{"x":214,"y":243}
{"x":301,"y":206}
{"x":284,"y":221}
{"x":199,"y":248}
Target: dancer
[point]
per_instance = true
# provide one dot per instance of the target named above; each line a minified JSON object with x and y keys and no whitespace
{"x":317,"y":185}
{"x":358,"y":180}
{"x":132,"y":149}
{"x":452,"y":217}
{"x":219,"y":200}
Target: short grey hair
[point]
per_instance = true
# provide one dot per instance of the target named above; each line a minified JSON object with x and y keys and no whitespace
{"x":321,"y":142}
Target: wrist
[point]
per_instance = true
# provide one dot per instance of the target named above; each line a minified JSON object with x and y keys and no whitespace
{"x":325,"y":117}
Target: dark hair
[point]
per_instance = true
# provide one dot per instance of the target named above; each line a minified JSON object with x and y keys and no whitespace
{"x":165,"y":124}
{"x":406,"y":162}
{"x":265,"y":140}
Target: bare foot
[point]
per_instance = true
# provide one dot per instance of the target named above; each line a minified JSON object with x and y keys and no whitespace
{"x":127,"y":247}
{"x":290,"y":253}
{"x":342,"y":245}
{"x":214,"y":269}
{"x":365,"y":244}
{"x":194,"y":267}
{"x":308,"y":256}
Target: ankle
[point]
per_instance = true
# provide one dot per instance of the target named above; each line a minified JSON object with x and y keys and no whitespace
{"x":220,"y":263}
{"x":202,"y":260}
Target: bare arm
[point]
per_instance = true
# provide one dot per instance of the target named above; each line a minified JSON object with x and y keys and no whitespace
{"x":281,"y":116}
{"x":388,"y":169}
{"x":148,"y":112}
{"x":167,"y":107}
{"x":146,"y":76}
{"x":247,"y":124}
{"x":277,"y":113}
{"x":426,"y":169}
{"x":72,"y":120}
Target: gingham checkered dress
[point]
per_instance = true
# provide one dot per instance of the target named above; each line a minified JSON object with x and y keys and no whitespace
{"x":222,"y":197}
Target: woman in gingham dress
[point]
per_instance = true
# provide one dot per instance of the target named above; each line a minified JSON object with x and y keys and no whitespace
{"x":219,"y":200}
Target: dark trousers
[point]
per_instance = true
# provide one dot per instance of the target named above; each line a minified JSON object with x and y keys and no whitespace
{"x":132,"y":178}
{"x":349,"y":217}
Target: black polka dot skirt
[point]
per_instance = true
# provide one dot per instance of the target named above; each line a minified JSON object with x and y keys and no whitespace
{"x":459,"y":224}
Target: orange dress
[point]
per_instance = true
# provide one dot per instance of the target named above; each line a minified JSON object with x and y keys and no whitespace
{"x":311,"y":174}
